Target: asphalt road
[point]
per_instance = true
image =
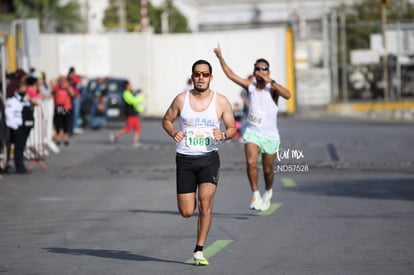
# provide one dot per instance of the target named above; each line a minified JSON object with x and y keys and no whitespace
{"x":343,"y":204}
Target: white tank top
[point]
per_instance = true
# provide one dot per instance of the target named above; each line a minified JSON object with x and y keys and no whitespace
{"x":198,"y":127}
{"x":262,"y":118}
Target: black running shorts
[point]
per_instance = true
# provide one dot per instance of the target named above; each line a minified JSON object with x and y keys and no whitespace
{"x":194,"y":170}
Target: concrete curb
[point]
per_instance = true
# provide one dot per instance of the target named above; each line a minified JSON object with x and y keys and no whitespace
{"x":381,"y":111}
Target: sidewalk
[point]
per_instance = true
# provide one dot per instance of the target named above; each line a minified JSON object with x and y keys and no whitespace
{"x":402,"y":111}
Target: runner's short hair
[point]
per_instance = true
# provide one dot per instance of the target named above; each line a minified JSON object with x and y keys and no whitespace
{"x":262,"y":60}
{"x":200,"y":62}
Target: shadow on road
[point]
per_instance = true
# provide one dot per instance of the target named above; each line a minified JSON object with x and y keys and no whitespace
{"x":104,"y":253}
{"x":387,"y":189}
{"x":176,"y":213}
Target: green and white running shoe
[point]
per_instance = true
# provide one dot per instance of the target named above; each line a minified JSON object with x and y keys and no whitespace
{"x":267,"y":196}
{"x":256,"y":202}
{"x":199,"y":258}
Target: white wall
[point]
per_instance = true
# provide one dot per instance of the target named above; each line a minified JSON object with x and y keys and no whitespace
{"x":161,"y":64}
{"x":314,"y":87}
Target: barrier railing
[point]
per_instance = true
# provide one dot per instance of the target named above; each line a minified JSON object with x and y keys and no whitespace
{"x":40,"y":140}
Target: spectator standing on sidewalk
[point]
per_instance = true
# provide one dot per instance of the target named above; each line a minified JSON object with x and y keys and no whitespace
{"x":133,"y":108}
{"x":35,"y":145}
{"x":12,"y":82}
{"x":48,"y":110}
{"x":76,"y":84}
{"x":20,"y":120}
{"x":62,"y":93}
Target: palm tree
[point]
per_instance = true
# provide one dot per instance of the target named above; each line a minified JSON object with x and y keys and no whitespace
{"x":53,"y":16}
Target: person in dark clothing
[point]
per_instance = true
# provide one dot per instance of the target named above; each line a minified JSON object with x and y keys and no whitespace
{"x":14,"y":80}
{"x":20,"y":120}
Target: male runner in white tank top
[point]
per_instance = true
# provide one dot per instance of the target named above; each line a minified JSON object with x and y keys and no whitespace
{"x":261,"y":134}
{"x":199,"y":111}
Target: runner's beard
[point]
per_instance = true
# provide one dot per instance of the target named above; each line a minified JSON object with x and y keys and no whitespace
{"x":201,"y":90}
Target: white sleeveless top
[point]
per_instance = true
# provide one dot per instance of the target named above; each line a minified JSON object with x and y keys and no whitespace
{"x":262,"y":118}
{"x":198,"y":127}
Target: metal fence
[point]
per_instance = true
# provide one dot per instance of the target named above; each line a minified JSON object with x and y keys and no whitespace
{"x":394,"y":61}
{"x":362,"y":78}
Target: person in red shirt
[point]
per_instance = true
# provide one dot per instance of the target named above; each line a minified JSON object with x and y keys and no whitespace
{"x":62,"y":94}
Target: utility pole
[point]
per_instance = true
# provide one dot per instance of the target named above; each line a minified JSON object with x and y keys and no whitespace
{"x":325,"y":35}
{"x":86,"y":24}
{"x":122,"y":15}
{"x":334,"y":55}
{"x":384,"y":44}
{"x":165,"y":28}
{"x":144,"y":15}
{"x":343,"y":57}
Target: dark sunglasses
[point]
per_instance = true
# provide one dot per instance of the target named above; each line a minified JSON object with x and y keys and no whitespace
{"x":204,"y":74}
{"x":263,"y":68}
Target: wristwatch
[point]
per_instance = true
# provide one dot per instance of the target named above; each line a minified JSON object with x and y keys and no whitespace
{"x":224,"y":135}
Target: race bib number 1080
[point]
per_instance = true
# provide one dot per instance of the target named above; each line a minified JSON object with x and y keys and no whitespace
{"x":197,"y":138}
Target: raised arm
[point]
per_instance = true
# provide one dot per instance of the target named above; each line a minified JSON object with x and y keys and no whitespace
{"x":229,"y":72}
{"x":275,"y":88}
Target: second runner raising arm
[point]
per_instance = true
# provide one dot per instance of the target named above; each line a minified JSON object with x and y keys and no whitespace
{"x":262,"y":78}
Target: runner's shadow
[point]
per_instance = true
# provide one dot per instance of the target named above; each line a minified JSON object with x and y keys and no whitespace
{"x":176,"y":213}
{"x":167,"y":212}
{"x":111,"y":254}
{"x":235,"y":216}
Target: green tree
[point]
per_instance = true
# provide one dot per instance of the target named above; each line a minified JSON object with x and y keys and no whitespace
{"x":6,"y":11}
{"x":177,"y":22}
{"x":364,"y":18}
{"x":53,"y":16}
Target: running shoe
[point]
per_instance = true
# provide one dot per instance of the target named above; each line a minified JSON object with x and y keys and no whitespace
{"x":256,"y":202}
{"x":199,"y":258}
{"x":267,"y":196}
